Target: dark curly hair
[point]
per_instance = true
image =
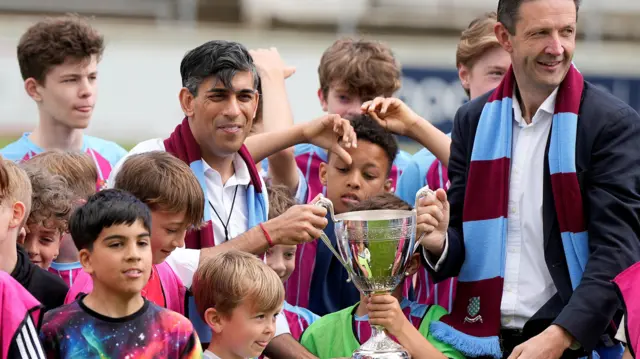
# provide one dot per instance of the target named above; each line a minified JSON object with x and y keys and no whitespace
{"x":52,"y":200}
{"x":367,"y":129}
{"x":50,"y":42}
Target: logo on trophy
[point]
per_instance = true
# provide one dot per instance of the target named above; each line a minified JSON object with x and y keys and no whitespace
{"x":375,"y":247}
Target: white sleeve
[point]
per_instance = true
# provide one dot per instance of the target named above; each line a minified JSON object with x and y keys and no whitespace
{"x":156,"y":144}
{"x":621,"y":335}
{"x":282,"y":326}
{"x":184,"y":263}
{"x":443,"y":257}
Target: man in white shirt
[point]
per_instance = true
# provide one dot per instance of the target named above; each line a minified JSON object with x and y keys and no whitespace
{"x":542,"y":313}
{"x":219,"y":98}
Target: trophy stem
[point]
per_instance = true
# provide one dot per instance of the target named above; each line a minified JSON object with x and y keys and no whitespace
{"x":380,"y":346}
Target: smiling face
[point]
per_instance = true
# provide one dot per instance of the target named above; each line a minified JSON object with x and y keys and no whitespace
{"x":120,"y":259}
{"x":42,"y":245}
{"x":167,"y":233}
{"x":221,"y":118}
{"x":68,"y":94}
{"x":543,"y":43}
{"x":244,"y":333}
{"x":282,"y":259}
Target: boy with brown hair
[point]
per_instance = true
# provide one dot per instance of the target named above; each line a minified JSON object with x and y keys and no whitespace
{"x":339,"y":334}
{"x":81,"y":174}
{"x":47,"y":288}
{"x":51,"y":205}
{"x":239,"y":297}
{"x":58,"y":60}
{"x":114,"y":320}
{"x":173,"y":194}
{"x":351,"y":72}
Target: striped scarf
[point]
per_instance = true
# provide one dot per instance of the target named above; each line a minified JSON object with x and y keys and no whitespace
{"x":182,"y":145}
{"x":473,"y":327}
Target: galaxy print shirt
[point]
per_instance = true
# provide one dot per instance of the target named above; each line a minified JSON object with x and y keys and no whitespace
{"x":75,"y":331}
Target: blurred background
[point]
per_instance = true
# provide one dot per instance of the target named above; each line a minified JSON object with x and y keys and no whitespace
{"x":146,"y":39}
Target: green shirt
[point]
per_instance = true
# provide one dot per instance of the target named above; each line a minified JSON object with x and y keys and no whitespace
{"x":332,"y":336}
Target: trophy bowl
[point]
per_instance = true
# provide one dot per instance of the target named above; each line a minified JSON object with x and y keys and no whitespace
{"x":375,"y":247}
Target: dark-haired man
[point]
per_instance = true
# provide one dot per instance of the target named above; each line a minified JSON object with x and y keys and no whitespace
{"x":219,"y":98}
{"x":543,"y":200}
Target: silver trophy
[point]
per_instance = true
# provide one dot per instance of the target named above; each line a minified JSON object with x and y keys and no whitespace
{"x":375,"y":248}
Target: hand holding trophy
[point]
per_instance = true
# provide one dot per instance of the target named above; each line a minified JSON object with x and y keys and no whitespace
{"x":375,"y":247}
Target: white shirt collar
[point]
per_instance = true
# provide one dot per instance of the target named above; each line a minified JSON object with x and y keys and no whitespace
{"x":241,"y":175}
{"x":548,"y":106}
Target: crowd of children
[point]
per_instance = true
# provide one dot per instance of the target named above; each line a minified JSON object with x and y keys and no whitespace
{"x":208,"y":239}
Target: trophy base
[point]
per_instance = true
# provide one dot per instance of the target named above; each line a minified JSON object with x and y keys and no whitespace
{"x":381,"y":348}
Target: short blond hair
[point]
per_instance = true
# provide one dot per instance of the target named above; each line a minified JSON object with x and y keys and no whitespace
{"x":77,"y":168}
{"x":232,"y":278}
{"x":16,"y":185}
{"x":477,"y":39}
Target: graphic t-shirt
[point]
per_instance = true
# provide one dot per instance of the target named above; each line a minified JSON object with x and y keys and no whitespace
{"x":104,"y":153}
{"x":75,"y":331}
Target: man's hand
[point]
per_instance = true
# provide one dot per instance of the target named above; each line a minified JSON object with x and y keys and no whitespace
{"x":392,"y":114}
{"x":269,"y":64}
{"x":385,"y":310}
{"x":299,"y":224}
{"x":433,"y":221}
{"x":331,"y":132}
{"x":550,"y":344}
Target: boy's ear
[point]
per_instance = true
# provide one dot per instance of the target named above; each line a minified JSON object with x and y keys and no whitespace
{"x":388,"y":185}
{"x":85,"y":260}
{"x":414,"y":264}
{"x":323,"y":101}
{"x":214,"y":320}
{"x":32,"y":89}
{"x":19,"y":214}
{"x":322,"y":173}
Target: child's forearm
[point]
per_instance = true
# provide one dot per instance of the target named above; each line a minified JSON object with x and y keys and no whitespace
{"x":277,"y":116}
{"x":416,"y":344}
{"x":266,"y":144}
{"x":432,"y":139}
{"x":276,"y":112}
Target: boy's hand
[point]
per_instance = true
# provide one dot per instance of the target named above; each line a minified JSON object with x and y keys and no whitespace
{"x":392,"y":114}
{"x":269,"y":63}
{"x":433,"y":221}
{"x":385,"y":310}
{"x":331,"y":132}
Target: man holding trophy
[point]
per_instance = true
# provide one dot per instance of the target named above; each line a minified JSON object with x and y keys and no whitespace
{"x":542,"y":212}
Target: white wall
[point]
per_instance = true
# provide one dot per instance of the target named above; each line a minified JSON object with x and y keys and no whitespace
{"x":139,"y":75}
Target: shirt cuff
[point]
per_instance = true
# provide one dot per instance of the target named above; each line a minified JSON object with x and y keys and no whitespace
{"x":428,"y":257}
{"x":282,"y":326}
{"x":184,"y":263}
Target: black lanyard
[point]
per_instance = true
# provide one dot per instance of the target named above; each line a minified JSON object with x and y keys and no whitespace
{"x":226,"y":226}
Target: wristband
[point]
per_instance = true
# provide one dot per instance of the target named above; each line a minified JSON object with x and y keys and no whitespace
{"x":266,"y":235}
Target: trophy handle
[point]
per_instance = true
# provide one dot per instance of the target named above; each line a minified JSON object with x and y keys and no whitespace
{"x":326,"y":203}
{"x":422,"y":192}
